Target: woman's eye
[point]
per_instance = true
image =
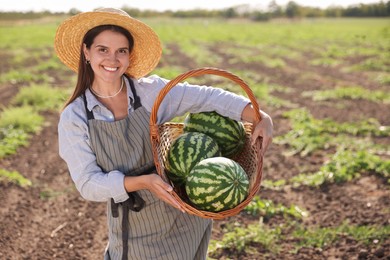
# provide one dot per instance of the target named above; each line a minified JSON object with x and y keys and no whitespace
{"x":124,"y":51}
{"x":103,"y":50}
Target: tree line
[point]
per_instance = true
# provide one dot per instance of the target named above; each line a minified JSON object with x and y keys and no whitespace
{"x":291,"y":10}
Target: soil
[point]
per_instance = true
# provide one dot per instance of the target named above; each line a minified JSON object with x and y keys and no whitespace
{"x":50,"y":220}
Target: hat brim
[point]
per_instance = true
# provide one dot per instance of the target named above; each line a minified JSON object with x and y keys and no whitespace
{"x":143,"y":58}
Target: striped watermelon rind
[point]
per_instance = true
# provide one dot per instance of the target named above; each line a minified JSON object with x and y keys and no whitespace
{"x":186,"y":151}
{"x":217,"y":184}
{"x":228,"y":133}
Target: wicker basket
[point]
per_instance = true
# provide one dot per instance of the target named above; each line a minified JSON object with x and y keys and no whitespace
{"x":163,"y":135}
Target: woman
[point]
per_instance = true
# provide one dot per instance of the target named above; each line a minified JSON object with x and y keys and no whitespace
{"x":104,"y":133}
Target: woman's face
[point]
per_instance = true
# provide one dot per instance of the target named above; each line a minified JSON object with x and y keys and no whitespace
{"x":108,"y":56}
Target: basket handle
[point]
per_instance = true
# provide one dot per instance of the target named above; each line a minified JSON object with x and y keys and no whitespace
{"x":193,"y":73}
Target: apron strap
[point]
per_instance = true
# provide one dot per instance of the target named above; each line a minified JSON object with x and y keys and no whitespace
{"x":125,"y":231}
{"x":134,"y":203}
{"x":137,"y":100}
{"x":89,"y":113}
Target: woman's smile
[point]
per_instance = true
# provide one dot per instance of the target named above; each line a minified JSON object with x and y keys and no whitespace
{"x":110,"y":68}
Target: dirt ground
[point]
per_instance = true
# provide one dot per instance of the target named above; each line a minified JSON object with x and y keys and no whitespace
{"x":51,"y":221}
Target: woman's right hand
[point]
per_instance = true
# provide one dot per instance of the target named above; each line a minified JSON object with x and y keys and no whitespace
{"x":155,"y":184}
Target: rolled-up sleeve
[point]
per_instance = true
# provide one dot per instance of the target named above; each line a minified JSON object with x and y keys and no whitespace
{"x":74,"y":148}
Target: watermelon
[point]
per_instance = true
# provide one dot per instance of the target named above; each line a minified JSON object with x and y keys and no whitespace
{"x":217,"y":184}
{"x":228,"y":133}
{"x":186,"y":151}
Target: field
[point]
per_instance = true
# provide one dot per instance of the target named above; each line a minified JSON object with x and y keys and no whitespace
{"x":325,"y":190}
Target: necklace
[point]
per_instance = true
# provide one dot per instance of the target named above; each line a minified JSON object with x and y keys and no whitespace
{"x":101,"y":96}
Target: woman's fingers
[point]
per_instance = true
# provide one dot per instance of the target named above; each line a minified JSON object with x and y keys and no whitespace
{"x":172,"y":201}
{"x":164,"y":191}
{"x":263,"y":129}
{"x":265,"y":145}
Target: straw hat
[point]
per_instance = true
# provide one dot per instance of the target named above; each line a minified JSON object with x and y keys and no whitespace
{"x":146,"y":52}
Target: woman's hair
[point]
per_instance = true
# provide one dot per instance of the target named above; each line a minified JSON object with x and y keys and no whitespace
{"x":85,"y":74}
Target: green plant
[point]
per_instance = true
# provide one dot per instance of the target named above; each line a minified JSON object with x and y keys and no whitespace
{"x":320,"y":237}
{"x":242,"y":238}
{"x":267,"y":208}
{"x":168,"y":72}
{"x":374,"y":64}
{"x":40,"y":97}
{"x":16,"y":37}
{"x":383,"y":79}
{"x":345,"y":165}
{"x":23,"y":118}
{"x":367,"y":233}
{"x":50,"y":193}
{"x":15,"y":126}
{"x":309,"y":134}
{"x":15,"y":177}
{"x":273,"y":185}
{"x":325,"y":62}
{"x":317,"y":238}
{"x":15,"y":76}
{"x":11,"y":139}
{"x":353,"y":92}
{"x":52,"y":64}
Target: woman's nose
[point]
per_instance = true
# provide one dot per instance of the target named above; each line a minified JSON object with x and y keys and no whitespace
{"x":113,"y":56}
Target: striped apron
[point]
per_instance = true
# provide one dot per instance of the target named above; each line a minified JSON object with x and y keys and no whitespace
{"x":143,"y":227}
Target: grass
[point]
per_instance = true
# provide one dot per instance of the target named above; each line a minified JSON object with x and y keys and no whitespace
{"x":346,"y":165}
{"x":17,"y":36}
{"x":168,"y":72}
{"x":48,"y":193}
{"x":242,"y":55}
{"x":16,"y":76}
{"x":349,"y":92}
{"x":325,"y":236}
{"x":383,"y":79}
{"x":238,"y":239}
{"x":15,"y":117}
{"x":41,"y":97}
{"x":11,"y":139}
{"x":375,"y":64}
{"x":15,"y":177}
{"x":16,"y":127}
{"x":273,"y":185}
{"x":309,"y":134}
{"x":19,"y":122}
{"x":273,"y":42}
{"x":268,"y":209}
{"x":277,"y":32}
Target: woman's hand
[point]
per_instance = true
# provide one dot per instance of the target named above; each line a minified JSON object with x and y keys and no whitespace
{"x":263,"y":129}
{"x":155,"y":184}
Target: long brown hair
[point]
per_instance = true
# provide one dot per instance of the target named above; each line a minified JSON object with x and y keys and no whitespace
{"x":85,"y":74}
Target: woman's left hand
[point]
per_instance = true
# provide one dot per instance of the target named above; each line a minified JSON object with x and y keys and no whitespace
{"x":263,"y":129}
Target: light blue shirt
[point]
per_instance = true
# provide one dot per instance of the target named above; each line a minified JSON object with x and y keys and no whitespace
{"x":74,"y":139}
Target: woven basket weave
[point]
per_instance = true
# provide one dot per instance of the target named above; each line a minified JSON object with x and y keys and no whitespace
{"x":163,"y":135}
